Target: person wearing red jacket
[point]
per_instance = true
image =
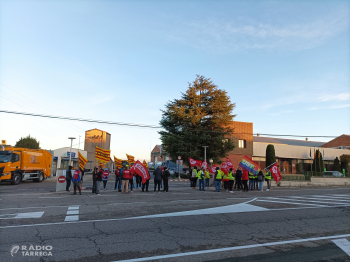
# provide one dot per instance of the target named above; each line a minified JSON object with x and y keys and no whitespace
{"x":126,"y":175}
{"x":245,"y":180}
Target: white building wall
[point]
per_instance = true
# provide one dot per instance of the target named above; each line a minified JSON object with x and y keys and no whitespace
{"x":297,"y":152}
{"x":62,"y":152}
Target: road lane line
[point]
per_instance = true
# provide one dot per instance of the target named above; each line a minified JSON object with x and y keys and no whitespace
{"x":313,"y":201}
{"x":127,"y":203}
{"x":325,"y":198}
{"x":285,"y":202}
{"x":30,"y":207}
{"x":343,"y":244}
{"x":200,"y":252}
{"x":187,"y":200}
{"x":72,"y":214}
{"x":333,"y":201}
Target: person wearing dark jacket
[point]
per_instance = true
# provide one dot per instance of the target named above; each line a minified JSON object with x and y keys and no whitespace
{"x":117,"y":181}
{"x":94,"y":174}
{"x":98,"y":180}
{"x":261,"y":180}
{"x":145,"y":184}
{"x":68,"y":178}
{"x":157,"y":178}
{"x":166,"y":175}
{"x":238,"y":179}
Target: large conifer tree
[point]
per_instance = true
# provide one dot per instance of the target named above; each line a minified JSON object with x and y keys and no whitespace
{"x":202,"y":117}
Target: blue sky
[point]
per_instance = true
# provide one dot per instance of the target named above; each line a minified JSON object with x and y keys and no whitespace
{"x":284,"y":63}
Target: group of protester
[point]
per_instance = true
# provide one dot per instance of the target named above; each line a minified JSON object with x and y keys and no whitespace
{"x":126,"y":180}
{"x":231,"y":180}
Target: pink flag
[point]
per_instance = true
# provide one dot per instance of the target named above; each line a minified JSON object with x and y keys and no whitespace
{"x":205,"y":164}
{"x":213,"y":170}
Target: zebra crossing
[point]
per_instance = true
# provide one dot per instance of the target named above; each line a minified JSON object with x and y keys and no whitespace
{"x":326,"y":200}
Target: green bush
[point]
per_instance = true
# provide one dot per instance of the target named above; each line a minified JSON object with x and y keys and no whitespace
{"x":300,"y":168}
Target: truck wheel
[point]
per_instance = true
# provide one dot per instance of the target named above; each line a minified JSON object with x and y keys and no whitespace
{"x":40,"y":178}
{"x":17,"y":178}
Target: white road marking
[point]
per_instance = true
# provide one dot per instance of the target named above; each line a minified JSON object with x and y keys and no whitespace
{"x":232,"y":248}
{"x":72,"y":218}
{"x":323,"y":199}
{"x":334,"y":201}
{"x":72,"y":213}
{"x":73,"y":207}
{"x":30,"y":207}
{"x":334,"y":197}
{"x":187,"y":200}
{"x":23,"y":215}
{"x":291,"y":203}
{"x":308,"y":201}
{"x":127,"y":203}
{"x":344,"y":244}
{"x":181,"y":193}
{"x":51,"y":197}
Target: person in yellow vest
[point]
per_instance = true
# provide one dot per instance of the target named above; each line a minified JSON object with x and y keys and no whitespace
{"x":218,"y":178}
{"x":256,"y":183}
{"x":207,"y":178}
{"x":231,"y":179}
{"x":268,"y":179}
{"x":226,"y":181}
{"x":251,"y":181}
{"x":201,"y":177}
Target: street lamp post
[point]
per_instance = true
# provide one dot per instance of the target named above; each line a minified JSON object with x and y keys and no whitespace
{"x":70,"y":150}
{"x":205,"y":153}
{"x":211,"y":163}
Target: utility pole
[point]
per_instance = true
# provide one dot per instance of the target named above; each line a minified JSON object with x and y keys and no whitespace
{"x":205,"y":153}
{"x":70,"y":150}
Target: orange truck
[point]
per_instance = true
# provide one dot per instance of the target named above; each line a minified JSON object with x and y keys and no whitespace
{"x":21,"y":164}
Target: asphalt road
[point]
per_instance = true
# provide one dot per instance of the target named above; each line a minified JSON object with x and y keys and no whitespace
{"x":285,"y":224}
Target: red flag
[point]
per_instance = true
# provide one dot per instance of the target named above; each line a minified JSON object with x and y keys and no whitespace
{"x":213,"y":170}
{"x":224,"y":168}
{"x":275,"y":173}
{"x":229,"y":165}
{"x":141,"y":171}
{"x":194,"y":162}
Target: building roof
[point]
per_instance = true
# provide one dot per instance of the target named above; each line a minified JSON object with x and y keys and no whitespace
{"x":343,"y":140}
{"x":291,"y":142}
{"x":98,"y":130}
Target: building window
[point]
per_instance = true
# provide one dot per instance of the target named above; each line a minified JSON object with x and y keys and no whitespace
{"x":242,"y":143}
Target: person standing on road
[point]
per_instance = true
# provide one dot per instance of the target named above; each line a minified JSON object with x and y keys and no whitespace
{"x":157,"y":178}
{"x":131,"y":181}
{"x":231,"y":179}
{"x":268,"y":180}
{"x":226,"y":182}
{"x":145,"y":184}
{"x":194,"y":177}
{"x":76,"y":181}
{"x":117,"y":181}
{"x":125,"y":179}
{"x":251,"y":181}
{"x":261,"y":180}
{"x":207,"y":178}
{"x":94,"y":175}
{"x":120,"y":179}
{"x":245,"y":180}
{"x":256,"y":184}
{"x":166,"y":175}
{"x":98,"y":180}
{"x":201,"y":177}
{"x":105,"y":176}
{"x":191,"y":180}
{"x":238,"y":179}
{"x":218,"y":178}
{"x":68,"y":178}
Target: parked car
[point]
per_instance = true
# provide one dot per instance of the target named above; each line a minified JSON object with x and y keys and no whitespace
{"x":172,"y":171}
{"x":332,"y":174}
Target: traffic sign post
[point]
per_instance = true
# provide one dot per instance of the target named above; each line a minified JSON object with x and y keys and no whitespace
{"x":61,"y":180}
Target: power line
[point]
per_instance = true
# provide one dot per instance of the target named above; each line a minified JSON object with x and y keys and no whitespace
{"x":80,"y":119}
{"x":136,"y":125}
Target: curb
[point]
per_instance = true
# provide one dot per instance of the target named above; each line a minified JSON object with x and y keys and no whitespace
{"x":179,"y":180}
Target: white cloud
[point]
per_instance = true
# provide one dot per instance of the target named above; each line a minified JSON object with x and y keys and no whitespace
{"x":334,"y":97}
{"x":340,"y":106}
{"x":231,"y":36}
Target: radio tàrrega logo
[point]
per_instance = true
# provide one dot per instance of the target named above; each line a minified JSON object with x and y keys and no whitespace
{"x":31,"y":250}
{"x":14,"y":249}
